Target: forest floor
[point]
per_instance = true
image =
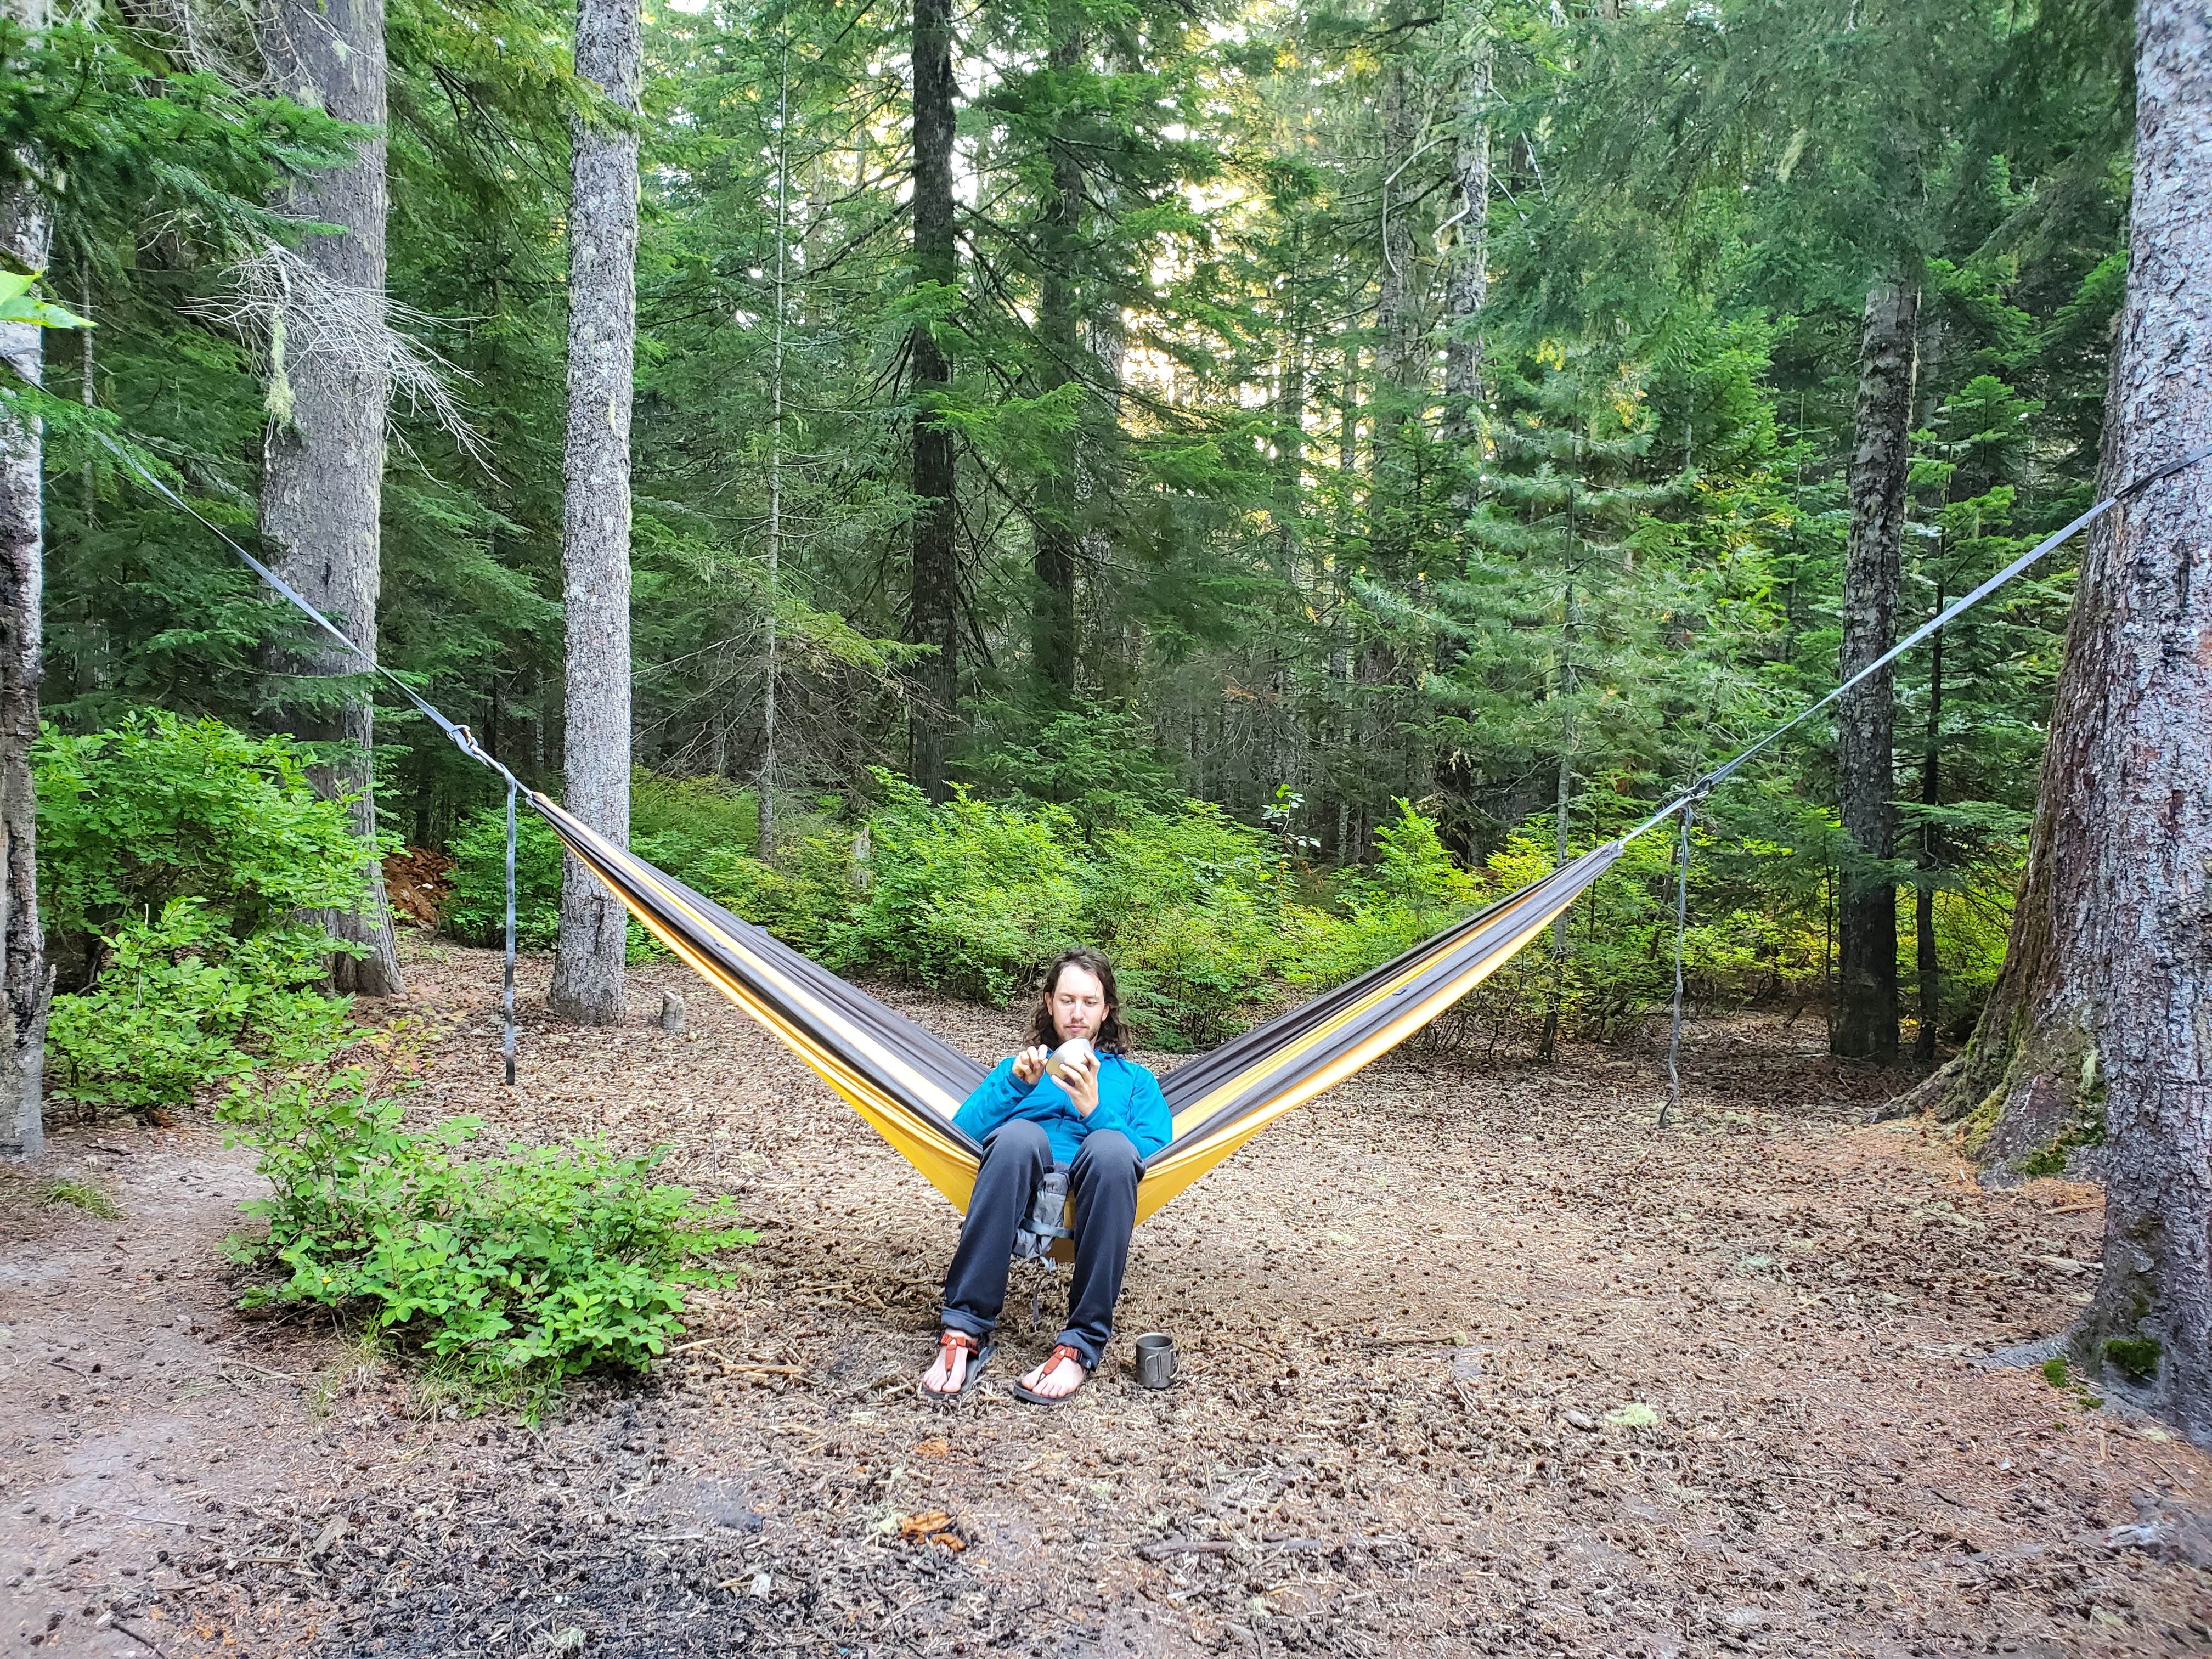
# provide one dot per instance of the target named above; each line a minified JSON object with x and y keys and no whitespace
{"x":1475,"y":1359}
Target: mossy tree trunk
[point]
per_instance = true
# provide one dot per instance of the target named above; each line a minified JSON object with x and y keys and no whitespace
{"x":2098,"y":1025}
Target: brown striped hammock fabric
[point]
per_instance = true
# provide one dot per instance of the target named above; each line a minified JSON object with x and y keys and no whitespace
{"x":908,"y":1084}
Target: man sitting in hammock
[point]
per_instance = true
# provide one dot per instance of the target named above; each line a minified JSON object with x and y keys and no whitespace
{"x":1070,"y":1099}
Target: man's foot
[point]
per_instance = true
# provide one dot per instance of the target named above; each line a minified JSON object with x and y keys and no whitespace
{"x":1059,"y":1376}
{"x":956,"y":1352}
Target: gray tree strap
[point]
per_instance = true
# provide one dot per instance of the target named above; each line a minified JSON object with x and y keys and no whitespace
{"x":1673,"y":1101}
{"x":507,"y":984}
{"x":463,"y":738}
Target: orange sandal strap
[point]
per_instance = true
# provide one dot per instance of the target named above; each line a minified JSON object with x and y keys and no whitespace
{"x":952,"y":1338}
{"x":1063,"y":1352}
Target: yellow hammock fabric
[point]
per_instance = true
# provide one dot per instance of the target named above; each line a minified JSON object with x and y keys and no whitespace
{"x":908,"y":1084}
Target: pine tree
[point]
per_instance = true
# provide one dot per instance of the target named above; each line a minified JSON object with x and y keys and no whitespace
{"x":588,"y":974}
{"x":323,"y":455}
{"x":933,"y":593}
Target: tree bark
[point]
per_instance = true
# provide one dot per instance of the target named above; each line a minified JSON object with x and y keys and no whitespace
{"x":1053,"y":626}
{"x":26,"y":234}
{"x":934,"y":604}
{"x":1400,"y":351}
{"x":1466,"y":279}
{"x":2096,"y":1028}
{"x":1866,"y":1016}
{"x":588,"y":966}
{"x":322,"y":480}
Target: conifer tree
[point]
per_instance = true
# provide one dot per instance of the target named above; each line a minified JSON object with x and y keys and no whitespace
{"x":587,"y":976}
{"x":330,"y":387}
{"x":934,"y":590}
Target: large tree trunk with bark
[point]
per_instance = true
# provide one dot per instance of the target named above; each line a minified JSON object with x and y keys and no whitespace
{"x":588,"y":966}
{"x":1866,"y":1015}
{"x":933,"y":596}
{"x":2097,"y":1029}
{"x":322,"y":480}
{"x":25,"y":236}
{"x":1058,"y":534}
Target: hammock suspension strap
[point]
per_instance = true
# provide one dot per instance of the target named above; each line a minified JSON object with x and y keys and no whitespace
{"x":506,"y":984}
{"x":1673,"y":1101}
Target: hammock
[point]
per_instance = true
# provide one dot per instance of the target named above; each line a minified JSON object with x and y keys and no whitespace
{"x":908,"y":1084}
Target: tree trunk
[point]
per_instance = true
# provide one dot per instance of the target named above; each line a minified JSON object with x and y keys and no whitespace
{"x":322,"y":480}
{"x":1052,"y":626}
{"x":1466,"y":281}
{"x":933,"y":605}
{"x":26,"y":233}
{"x":1923,"y":914}
{"x":1866,"y":1017}
{"x":764,"y":839}
{"x":588,"y":966}
{"x":1400,"y":351}
{"x":2096,"y":1029}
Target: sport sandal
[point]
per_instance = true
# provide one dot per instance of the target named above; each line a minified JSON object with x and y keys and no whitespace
{"x":978,"y":1357}
{"x":1063,"y":1352}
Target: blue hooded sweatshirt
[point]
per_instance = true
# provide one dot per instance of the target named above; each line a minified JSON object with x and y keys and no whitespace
{"x":1129,"y":1099}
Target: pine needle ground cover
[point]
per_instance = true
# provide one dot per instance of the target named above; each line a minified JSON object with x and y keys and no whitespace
{"x":1468,"y":1349}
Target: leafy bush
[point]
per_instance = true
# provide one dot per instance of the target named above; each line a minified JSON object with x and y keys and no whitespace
{"x":1098,"y":763}
{"x":161,"y":809}
{"x":184,"y":1001}
{"x":968,"y":895}
{"x":176,"y":858}
{"x":476,"y":902}
{"x":689,"y":827}
{"x":522,"y":1268}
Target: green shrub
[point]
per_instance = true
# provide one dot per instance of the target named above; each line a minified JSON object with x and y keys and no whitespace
{"x":184,"y":1001}
{"x":685,"y":826}
{"x":161,"y":809}
{"x":806,"y":894}
{"x":1100,"y":763}
{"x":519,"y":1269}
{"x":476,"y":902}
{"x":968,"y":896}
{"x":674,"y":823}
{"x":176,"y":858}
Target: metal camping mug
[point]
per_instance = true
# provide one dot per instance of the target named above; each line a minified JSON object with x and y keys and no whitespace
{"x":1156,"y":1360}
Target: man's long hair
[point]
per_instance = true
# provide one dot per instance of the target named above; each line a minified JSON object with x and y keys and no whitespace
{"x":1113,"y":1038}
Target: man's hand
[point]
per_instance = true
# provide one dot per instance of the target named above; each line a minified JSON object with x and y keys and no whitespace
{"x":1029,"y":1064}
{"x":1080,"y":1078}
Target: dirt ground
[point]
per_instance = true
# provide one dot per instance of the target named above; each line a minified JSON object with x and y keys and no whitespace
{"x":1475,"y":1359}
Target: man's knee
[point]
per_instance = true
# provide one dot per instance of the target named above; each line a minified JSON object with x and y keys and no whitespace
{"x":1109,"y":1155}
{"x":1019,"y":1141}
